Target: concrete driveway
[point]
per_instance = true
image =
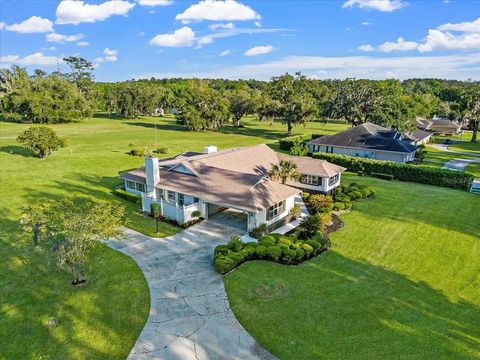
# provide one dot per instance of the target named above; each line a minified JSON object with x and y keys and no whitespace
{"x":190,"y":317}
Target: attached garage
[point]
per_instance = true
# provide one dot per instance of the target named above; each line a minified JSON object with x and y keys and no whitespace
{"x":230,"y":217}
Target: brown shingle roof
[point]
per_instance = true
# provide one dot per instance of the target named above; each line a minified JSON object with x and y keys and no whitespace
{"x":310,"y":166}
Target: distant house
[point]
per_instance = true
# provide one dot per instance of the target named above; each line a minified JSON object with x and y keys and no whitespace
{"x":439,"y":126}
{"x":214,"y":181}
{"x":418,"y":136}
{"x":368,"y":141}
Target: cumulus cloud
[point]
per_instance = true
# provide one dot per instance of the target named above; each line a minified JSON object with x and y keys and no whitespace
{"x":380,"y":5}
{"x":258,"y":24}
{"x":83,"y":43}
{"x":182,"y":37}
{"x":76,"y":12}
{"x":154,"y":2}
{"x":225,"y":53}
{"x":36,"y":59}
{"x":110,"y":56}
{"x":227,"y":10}
{"x":204,"y":40}
{"x":60,"y":38}
{"x":227,"y":26}
{"x":466,"y":26}
{"x":258,"y":50}
{"x":438,"y":40}
{"x":34,"y":24}
{"x":366,"y":48}
{"x":367,"y":23}
{"x":399,"y":45}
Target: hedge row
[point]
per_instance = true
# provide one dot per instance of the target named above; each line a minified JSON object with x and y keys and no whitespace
{"x":274,"y":247}
{"x":402,"y":172}
{"x":126,"y":195}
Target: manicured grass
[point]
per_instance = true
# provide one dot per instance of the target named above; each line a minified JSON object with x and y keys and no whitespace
{"x":103,"y":319}
{"x":466,"y":146}
{"x":474,"y":169}
{"x":401,"y":281}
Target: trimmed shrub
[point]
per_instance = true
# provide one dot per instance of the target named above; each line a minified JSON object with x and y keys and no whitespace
{"x":154,"y":209}
{"x":402,"y":172}
{"x":235,"y":244}
{"x":300,"y":254}
{"x":261,"y":251}
{"x":258,"y":231}
{"x":339,"y":206}
{"x":223,"y":264}
{"x":136,"y":152}
{"x":288,"y":142}
{"x":274,"y":252}
{"x":220,"y":250}
{"x":126,"y":195}
{"x":355,"y":195}
{"x":284,"y":240}
{"x":236,"y":257}
{"x":307,"y":248}
{"x":289,"y":255}
{"x":296,"y":211}
{"x":196,"y":213}
{"x":320,"y":203}
{"x":314,"y":243}
{"x":267,"y":240}
{"x":161,"y":150}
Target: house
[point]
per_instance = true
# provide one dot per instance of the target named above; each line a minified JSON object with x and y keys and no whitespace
{"x":369,"y":141}
{"x":418,"y":137}
{"x":214,"y":181}
{"x":439,"y":126}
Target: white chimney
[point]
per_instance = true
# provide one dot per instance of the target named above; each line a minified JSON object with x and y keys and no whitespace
{"x":209,"y":149}
{"x":152,"y":172}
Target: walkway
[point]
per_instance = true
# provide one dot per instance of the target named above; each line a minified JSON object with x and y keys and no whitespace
{"x":190,"y":317}
{"x":292,"y":225}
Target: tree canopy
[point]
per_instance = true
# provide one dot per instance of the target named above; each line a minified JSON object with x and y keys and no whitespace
{"x":42,"y":140}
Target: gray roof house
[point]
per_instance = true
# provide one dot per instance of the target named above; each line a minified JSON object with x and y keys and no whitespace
{"x":439,"y":126}
{"x":236,"y":179}
{"x":369,"y":141}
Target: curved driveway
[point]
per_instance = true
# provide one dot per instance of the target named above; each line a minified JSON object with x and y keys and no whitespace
{"x":190,"y":317}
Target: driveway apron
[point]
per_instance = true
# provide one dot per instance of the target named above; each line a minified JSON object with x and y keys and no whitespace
{"x":190,"y":317}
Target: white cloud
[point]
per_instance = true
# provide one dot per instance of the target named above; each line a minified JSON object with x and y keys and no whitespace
{"x":50,"y":48}
{"x":2,"y":25}
{"x":366,"y":48}
{"x":83,"y":43}
{"x":99,"y":60}
{"x":179,"y":38}
{"x":438,"y":40}
{"x":36,"y":59}
{"x":154,"y":2}
{"x":225,"y":53}
{"x":76,"y":12}
{"x":380,"y":5}
{"x":110,"y":55}
{"x":399,"y":45}
{"x":34,"y":24}
{"x":462,"y":66}
{"x":258,"y":50}
{"x":367,"y":23}
{"x":205,"y":40}
{"x":227,"y":10}
{"x":60,"y":38}
{"x":227,"y":26}
{"x":258,"y":24}
{"x":466,"y":26}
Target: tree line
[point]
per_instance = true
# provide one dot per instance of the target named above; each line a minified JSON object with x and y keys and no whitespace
{"x":207,"y":104}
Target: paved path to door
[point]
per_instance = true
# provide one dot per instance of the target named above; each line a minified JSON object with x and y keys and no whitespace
{"x":190,"y":317}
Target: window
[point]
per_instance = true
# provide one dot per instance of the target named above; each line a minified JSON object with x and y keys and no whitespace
{"x":181,"y":199}
{"x":196,"y":200}
{"x":160,"y":195}
{"x":275,"y":210}
{"x":140,"y":187}
{"x":311,"y":180}
{"x":171,"y":196}
{"x":333,"y":180}
{"x":131,"y":184}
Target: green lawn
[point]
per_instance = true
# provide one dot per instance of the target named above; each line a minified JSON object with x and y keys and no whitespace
{"x":103,"y":319}
{"x":401,"y":281}
{"x":466,"y":146}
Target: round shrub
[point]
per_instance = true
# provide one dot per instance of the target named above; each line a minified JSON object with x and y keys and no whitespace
{"x":261,"y":251}
{"x":319,"y":239}
{"x":300,"y":254}
{"x":307,"y":248}
{"x":339,"y":206}
{"x":235,"y":244}
{"x":289,"y":255}
{"x":296,"y":245}
{"x":285,"y":241}
{"x":224,"y":264}
{"x":220,"y":250}
{"x":313,"y":243}
{"x":236,"y":257}
{"x":267,"y":240}
{"x":338,"y":190}
{"x":249,"y":251}
{"x":274,"y":252}
{"x":354,"y":195}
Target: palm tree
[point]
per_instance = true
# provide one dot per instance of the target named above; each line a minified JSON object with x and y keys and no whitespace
{"x":284,"y":171}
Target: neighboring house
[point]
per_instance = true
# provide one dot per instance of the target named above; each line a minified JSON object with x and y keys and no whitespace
{"x":439,"y":126}
{"x":368,"y":141}
{"x":418,"y":137}
{"x":214,"y":181}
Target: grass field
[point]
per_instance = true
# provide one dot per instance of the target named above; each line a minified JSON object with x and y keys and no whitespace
{"x":401,"y":281}
{"x":103,"y":319}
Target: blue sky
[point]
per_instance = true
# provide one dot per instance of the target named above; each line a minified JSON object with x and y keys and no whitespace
{"x":246,"y":39}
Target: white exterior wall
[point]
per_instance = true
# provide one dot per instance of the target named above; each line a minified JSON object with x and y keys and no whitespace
{"x":324,"y":187}
{"x":257,"y":219}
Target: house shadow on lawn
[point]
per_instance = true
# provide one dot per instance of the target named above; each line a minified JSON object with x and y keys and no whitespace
{"x":351,"y":309}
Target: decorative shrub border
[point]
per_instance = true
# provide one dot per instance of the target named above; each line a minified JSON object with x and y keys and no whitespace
{"x":400,"y":171}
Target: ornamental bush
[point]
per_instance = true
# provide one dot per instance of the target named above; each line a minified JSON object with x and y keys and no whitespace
{"x":274,"y":252}
{"x":403,"y":172}
{"x":41,"y":140}
{"x":288,"y":142}
{"x":267,"y":240}
{"x":261,"y":251}
{"x":338,"y":206}
{"x":223,"y":264}
{"x":126,"y":195}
